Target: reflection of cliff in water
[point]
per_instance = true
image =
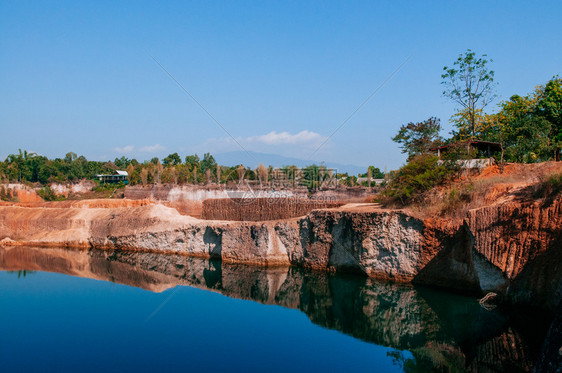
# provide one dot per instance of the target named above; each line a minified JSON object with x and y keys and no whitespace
{"x":442,"y":330}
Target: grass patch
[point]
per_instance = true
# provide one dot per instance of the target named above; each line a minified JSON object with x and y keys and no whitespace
{"x":549,"y":186}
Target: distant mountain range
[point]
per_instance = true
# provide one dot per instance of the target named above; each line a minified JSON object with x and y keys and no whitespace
{"x":253,"y":159}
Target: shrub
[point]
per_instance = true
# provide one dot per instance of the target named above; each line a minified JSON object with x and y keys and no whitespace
{"x":549,"y":187}
{"x":48,"y":194}
{"x":421,"y":174}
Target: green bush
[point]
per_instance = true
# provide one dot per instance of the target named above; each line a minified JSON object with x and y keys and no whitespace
{"x":48,"y":194}
{"x":421,"y":174}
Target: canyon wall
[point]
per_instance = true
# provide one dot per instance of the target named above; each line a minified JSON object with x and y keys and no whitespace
{"x":261,"y":209}
{"x":18,"y":192}
{"x":521,"y":245}
{"x":66,"y":189}
{"x":188,"y":192}
{"x":174,"y":193}
{"x":188,"y":199}
{"x":510,"y":248}
{"x":379,"y":243}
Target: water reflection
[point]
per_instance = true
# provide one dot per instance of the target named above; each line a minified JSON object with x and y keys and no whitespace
{"x":443,"y":331}
{"x":21,"y":273}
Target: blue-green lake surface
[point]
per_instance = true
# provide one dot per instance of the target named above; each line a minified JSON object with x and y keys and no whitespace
{"x":67,"y":310}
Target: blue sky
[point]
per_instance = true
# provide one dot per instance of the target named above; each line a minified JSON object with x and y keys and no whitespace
{"x":279,"y":76}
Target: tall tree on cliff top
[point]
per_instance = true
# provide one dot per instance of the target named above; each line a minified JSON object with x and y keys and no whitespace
{"x":529,"y":127}
{"x":192,"y":161}
{"x":549,"y":106}
{"x":418,"y":138}
{"x":208,"y":162}
{"x":172,"y":160}
{"x":470,"y":84}
{"x":524,"y":134}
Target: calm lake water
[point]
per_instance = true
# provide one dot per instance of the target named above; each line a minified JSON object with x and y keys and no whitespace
{"x":65,"y":310}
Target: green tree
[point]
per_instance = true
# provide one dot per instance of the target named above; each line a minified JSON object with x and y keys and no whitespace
{"x":183,"y":173}
{"x":549,"y":106}
{"x":376,"y":172}
{"x":17,"y":169}
{"x":313,"y":176}
{"x":172,"y":160}
{"x":464,"y":121}
{"x":528,"y":140}
{"x":122,"y":162}
{"x":70,"y":156}
{"x":208,"y":163}
{"x":192,"y":161}
{"x":418,"y":138}
{"x":470,"y":84}
{"x":48,"y":194}
{"x":529,"y":126}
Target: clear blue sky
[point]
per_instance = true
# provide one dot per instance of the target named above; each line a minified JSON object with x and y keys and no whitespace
{"x":280,"y":76}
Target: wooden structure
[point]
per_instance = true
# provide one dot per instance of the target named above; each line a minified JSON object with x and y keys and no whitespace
{"x":486,"y":147}
{"x":116,"y":177}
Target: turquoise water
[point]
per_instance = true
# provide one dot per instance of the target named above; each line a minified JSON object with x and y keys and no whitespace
{"x":97,"y":310}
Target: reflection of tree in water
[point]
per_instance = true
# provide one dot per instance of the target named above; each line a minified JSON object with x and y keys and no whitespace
{"x":431,"y":358}
{"x":443,"y":332}
{"x":21,"y":273}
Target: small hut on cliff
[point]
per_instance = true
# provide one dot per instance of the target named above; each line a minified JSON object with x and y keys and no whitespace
{"x":487,"y":148}
{"x":117,"y":177}
{"x":483,"y":150}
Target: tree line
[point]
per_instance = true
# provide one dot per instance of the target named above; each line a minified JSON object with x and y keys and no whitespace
{"x":33,"y":168}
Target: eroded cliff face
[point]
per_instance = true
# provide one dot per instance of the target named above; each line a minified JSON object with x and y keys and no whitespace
{"x":518,"y":250}
{"x":509,"y":235}
{"x":147,"y":228}
{"x":511,"y":248}
{"x":381,"y":243}
{"x":385,"y":244}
